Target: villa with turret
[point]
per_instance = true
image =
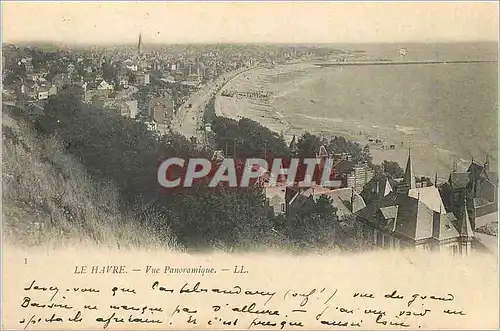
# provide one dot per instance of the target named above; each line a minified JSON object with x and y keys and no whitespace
{"x":408,"y":216}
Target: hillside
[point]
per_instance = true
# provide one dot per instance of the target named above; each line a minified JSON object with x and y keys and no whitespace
{"x":78,"y":173}
{"x":49,"y":199}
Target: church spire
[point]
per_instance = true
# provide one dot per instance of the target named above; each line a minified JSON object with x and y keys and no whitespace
{"x":465,"y":227}
{"x":487,"y":162}
{"x":409,"y":176}
{"x":293,"y":144}
{"x":139,"y":45}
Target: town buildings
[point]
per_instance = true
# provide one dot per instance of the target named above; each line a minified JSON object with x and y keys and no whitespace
{"x":351,"y":174}
{"x":478,"y":184}
{"x":414,"y":217}
{"x":346,"y":201}
{"x":161,"y":110}
{"x":33,"y":75}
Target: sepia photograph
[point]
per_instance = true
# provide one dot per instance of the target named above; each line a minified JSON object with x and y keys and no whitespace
{"x":250,"y":165}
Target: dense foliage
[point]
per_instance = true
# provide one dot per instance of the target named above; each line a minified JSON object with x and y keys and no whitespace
{"x":393,"y":169}
{"x":121,"y":150}
{"x":308,"y":145}
{"x":247,"y":138}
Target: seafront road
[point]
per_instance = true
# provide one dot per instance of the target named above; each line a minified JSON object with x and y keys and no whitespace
{"x":189,"y":117}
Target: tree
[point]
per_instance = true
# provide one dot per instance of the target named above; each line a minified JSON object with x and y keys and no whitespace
{"x":393,"y":169}
{"x":314,"y":227}
{"x":118,"y":149}
{"x":131,"y":78}
{"x":366,"y":155}
{"x":308,"y":145}
{"x":248,"y":138}
{"x":109,"y":73}
{"x":341,"y":145}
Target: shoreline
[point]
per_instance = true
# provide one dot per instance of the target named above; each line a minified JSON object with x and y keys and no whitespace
{"x":393,"y":63}
{"x":428,"y":157}
{"x":189,"y":116}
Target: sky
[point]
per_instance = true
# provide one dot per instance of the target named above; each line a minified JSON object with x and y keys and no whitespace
{"x":249,"y":22}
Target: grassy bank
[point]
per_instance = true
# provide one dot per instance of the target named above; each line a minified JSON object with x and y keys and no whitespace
{"x":49,"y":199}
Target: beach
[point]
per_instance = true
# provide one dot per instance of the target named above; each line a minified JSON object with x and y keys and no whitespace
{"x":423,"y":109}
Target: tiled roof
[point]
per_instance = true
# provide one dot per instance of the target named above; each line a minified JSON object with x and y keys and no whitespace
{"x":414,"y":218}
{"x":429,"y":196}
{"x":459,"y":179}
{"x":342,"y":200}
{"x":342,"y":209}
{"x":446,"y":229}
{"x":389,"y":211}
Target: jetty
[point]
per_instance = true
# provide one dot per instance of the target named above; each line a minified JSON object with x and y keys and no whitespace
{"x":393,"y":63}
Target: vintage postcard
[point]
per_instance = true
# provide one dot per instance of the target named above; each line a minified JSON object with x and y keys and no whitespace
{"x":249,"y":165}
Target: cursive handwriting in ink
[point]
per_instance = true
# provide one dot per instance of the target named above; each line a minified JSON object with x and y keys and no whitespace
{"x":375,"y":312}
{"x":78,"y":317}
{"x":453,"y":312}
{"x":177,"y":310}
{"x":341,"y":323}
{"x":304,"y":295}
{"x":34,"y":287}
{"x":379,"y":320}
{"x":236,"y":290}
{"x":364,"y":295}
{"x":156,"y":285}
{"x":292,"y":324}
{"x":107,"y":321}
{"x":335,"y":323}
{"x":251,"y":310}
{"x":132,"y":319}
{"x":409,"y":313}
{"x":448,"y":297}
{"x":196,"y":289}
{"x":142,"y":309}
{"x":263,"y":293}
{"x":393,"y":295}
{"x":345,"y":310}
{"x":27,"y":302}
{"x":257,"y":322}
{"x":191,"y":320}
{"x":123,"y":290}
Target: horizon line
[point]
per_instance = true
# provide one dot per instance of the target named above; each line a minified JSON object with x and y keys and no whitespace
{"x":156,"y":43}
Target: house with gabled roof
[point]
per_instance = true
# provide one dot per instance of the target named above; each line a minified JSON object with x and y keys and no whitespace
{"x":478,"y":184}
{"x":415,"y":217}
{"x":346,"y":200}
{"x":105,"y":86}
{"x":61,"y":80}
{"x":43,"y":92}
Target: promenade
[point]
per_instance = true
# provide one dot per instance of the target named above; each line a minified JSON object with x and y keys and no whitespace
{"x":189,"y":118}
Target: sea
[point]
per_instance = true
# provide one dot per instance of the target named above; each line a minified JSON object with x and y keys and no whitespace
{"x":446,"y":112}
